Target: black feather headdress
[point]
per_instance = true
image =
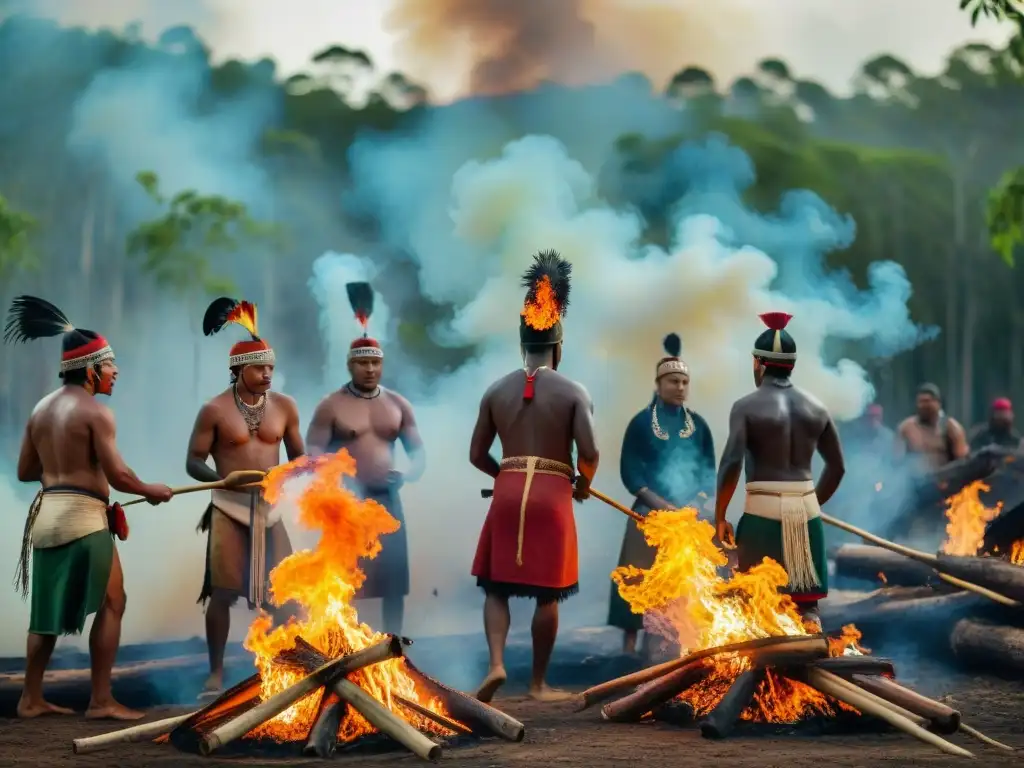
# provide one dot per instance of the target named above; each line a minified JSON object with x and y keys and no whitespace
{"x":226,"y":310}
{"x":360,"y":296}
{"x":548,"y":282}
{"x":673,"y":345}
{"x":31,"y":318}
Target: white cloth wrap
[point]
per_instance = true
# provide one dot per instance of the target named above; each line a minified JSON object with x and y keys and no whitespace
{"x":237,"y":505}
{"x":793,"y":504}
{"x":257,"y":517}
{"x":66,"y":516}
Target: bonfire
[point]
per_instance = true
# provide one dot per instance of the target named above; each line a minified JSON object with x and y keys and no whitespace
{"x":746,"y":654}
{"x":327,"y":678}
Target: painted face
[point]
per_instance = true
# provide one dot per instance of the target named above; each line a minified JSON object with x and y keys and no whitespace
{"x":758,"y":372}
{"x":103,"y":377}
{"x":365,"y":372}
{"x":674,"y":388}
{"x":257,"y":378}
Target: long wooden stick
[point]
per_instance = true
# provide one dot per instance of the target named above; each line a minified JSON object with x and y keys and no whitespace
{"x":134,"y":734}
{"x":613,"y":503}
{"x":444,"y":722}
{"x":220,"y":485}
{"x":833,"y":685}
{"x":921,"y":557}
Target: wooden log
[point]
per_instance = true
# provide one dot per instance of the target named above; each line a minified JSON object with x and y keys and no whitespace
{"x":678,"y":713}
{"x":609,"y":688}
{"x":844,"y":666}
{"x":993,"y":573}
{"x":866,"y":562}
{"x":832,"y":685}
{"x":936,"y":608}
{"x":942,"y":717}
{"x":469,"y":710}
{"x":634,"y":706}
{"x":989,"y":646}
{"x":132,"y":735}
{"x":389,"y":648}
{"x":376,"y":714}
{"x":445,"y":722}
{"x":721,"y":720}
{"x":322,"y":739}
{"x":235,"y":701}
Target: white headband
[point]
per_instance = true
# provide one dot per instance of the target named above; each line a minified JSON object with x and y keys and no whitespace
{"x":105,"y":353}
{"x":672,"y":366}
{"x":259,"y":357}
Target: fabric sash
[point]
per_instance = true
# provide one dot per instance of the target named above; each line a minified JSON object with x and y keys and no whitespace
{"x":531,"y":465}
{"x":792,"y":504}
{"x":251,"y":510}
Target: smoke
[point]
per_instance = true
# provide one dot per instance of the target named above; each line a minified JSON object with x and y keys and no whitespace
{"x":472,"y":244}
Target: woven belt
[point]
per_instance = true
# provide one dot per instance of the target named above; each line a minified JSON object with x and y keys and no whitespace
{"x":542,"y":466}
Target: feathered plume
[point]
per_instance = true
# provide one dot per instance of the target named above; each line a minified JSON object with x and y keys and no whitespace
{"x":226,"y":310}
{"x":547,"y":281}
{"x":776,"y":321}
{"x":673,"y":345}
{"x":360,"y":296}
{"x":33,"y":318}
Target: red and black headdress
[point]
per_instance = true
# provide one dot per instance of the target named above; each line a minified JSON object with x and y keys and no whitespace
{"x":775,"y":346}
{"x":33,"y":318}
{"x":547,"y":282}
{"x":252,"y":351}
{"x":360,"y":296}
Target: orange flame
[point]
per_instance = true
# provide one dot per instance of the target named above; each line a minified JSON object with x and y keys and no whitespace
{"x":968,"y":516}
{"x":323,"y":581}
{"x":686,"y":600}
{"x":244,"y":314}
{"x":1017,"y":552}
{"x":542,"y":312}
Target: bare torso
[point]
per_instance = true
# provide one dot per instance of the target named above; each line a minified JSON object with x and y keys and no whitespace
{"x":930,"y":441}
{"x":234,"y":448}
{"x":368,"y":428}
{"x":542,"y":427}
{"x":783,"y":427}
{"x":60,"y":431}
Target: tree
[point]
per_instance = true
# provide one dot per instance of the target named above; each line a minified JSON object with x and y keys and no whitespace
{"x":16,"y":250}
{"x":178,"y":248}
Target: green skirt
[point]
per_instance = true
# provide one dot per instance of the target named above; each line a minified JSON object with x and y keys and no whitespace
{"x":758,"y":538}
{"x":69,"y":583}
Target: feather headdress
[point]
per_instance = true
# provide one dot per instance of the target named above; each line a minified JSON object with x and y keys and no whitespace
{"x":31,"y":318}
{"x":227,"y":311}
{"x":673,"y":363}
{"x":548,"y":282}
{"x":360,"y":296}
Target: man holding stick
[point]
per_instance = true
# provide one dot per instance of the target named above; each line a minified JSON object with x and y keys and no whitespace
{"x":70,"y":448}
{"x":528,"y":545}
{"x":367,"y":420}
{"x":776,"y":431}
{"x":242,"y":428}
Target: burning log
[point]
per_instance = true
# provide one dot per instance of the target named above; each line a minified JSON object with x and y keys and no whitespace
{"x":942,"y":717}
{"x":232,"y":703}
{"x":608,"y":689}
{"x":323,"y":736}
{"x":677,"y":713}
{"x":444,"y":722}
{"x":783,"y":652}
{"x":267,"y":710}
{"x":844,"y":666}
{"x":868,"y":704}
{"x":871,"y":563}
{"x":723,"y":718}
{"x":306,"y":657}
{"x":135,"y":734}
{"x":996,"y":574}
{"x":470,"y":710}
{"x":989,"y":645}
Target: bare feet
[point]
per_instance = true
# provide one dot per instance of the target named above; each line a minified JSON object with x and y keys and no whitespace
{"x":548,"y":694}
{"x":494,"y":680}
{"x":27,"y":709}
{"x":212,"y":688}
{"x":112,"y":711}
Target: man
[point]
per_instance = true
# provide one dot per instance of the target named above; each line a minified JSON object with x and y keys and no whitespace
{"x":933,"y":437}
{"x":242,"y":428}
{"x":367,"y":420}
{"x":999,"y":431}
{"x":668,"y":461}
{"x":870,"y":433}
{"x":70,"y":448}
{"x":528,"y":544}
{"x":775,"y":432}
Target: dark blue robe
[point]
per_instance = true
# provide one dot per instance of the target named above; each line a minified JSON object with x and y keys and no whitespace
{"x":678,"y":469}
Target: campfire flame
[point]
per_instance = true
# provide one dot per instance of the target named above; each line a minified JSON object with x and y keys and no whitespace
{"x":323,"y":581}
{"x":542,"y":311}
{"x":686,"y":600}
{"x":1017,"y":552}
{"x":968,"y":516}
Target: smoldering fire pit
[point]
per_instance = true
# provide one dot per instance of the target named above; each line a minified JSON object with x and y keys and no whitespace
{"x":777,"y":679}
{"x":352,"y":712}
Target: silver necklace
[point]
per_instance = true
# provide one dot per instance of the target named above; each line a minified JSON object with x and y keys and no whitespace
{"x":353,"y":391}
{"x":253,"y":414}
{"x":661,"y":434}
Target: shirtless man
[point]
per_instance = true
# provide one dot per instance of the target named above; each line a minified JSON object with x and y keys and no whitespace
{"x":242,"y":428}
{"x":70,"y":448}
{"x":931,"y":435}
{"x":528,"y":545}
{"x":367,"y":420}
{"x":775,"y":430}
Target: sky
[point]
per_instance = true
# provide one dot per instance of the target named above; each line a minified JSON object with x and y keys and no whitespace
{"x":432,"y":39}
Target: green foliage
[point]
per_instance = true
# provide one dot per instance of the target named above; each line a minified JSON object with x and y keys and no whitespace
{"x":1005,"y":214}
{"x":177,"y":247}
{"x":1001,"y":10}
{"x":16,"y":251}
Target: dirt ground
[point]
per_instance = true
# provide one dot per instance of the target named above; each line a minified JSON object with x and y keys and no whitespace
{"x":557,"y":736}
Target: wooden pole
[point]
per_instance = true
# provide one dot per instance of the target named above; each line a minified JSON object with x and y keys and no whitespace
{"x":132,"y":735}
{"x":241,"y":479}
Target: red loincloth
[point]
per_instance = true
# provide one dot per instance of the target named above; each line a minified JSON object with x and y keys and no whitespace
{"x":546,"y":566}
